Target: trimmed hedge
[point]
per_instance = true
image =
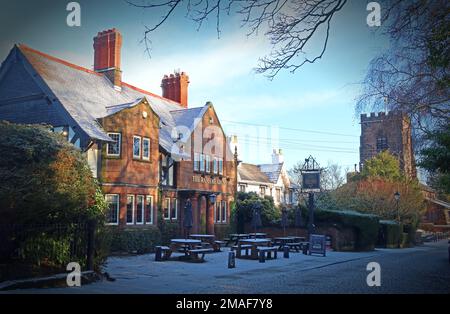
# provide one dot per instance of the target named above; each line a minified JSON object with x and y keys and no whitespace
{"x":364,"y":225}
{"x":137,"y":240}
{"x":389,"y":234}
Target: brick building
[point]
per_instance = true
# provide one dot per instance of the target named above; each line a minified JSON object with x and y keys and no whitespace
{"x":392,"y":132}
{"x":149,"y":153}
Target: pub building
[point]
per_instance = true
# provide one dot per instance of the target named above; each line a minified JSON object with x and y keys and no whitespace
{"x":150,"y":153}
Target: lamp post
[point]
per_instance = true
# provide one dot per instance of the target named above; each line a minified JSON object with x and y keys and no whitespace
{"x":397,"y":200}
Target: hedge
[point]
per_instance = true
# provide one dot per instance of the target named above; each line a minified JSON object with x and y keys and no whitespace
{"x":364,"y":225}
{"x":389,"y":234}
{"x":137,"y":240}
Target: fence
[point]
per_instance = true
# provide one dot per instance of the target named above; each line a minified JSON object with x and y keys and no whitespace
{"x":49,"y":244}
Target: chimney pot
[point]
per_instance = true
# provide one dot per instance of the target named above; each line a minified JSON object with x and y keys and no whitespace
{"x":107,"y":46}
{"x":175,"y":87}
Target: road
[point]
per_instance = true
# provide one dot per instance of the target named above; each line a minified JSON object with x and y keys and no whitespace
{"x":422,"y":269}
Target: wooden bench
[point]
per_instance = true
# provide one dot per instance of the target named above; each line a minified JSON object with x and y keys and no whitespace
{"x":227,"y":241}
{"x":218,"y":244}
{"x":195,"y":253}
{"x":162,"y":253}
{"x":297,"y":246}
{"x":267,"y":249}
{"x":245,"y":247}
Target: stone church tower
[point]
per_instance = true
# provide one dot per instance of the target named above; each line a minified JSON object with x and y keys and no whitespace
{"x":392,"y":132}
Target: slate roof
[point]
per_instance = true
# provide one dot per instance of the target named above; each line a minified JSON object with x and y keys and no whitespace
{"x":88,"y":95}
{"x":250,"y":172}
{"x":272,"y":171}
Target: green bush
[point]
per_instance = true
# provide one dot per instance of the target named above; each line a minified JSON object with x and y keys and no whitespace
{"x":169,"y":230}
{"x":364,"y":225}
{"x":46,"y":249}
{"x":138,"y":240}
{"x":245,"y":203}
{"x":46,"y":189}
{"x":389,"y":234}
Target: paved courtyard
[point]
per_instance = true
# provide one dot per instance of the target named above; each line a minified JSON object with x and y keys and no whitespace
{"x":423,"y":269}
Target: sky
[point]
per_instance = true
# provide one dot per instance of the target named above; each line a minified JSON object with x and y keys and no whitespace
{"x":310,"y":112}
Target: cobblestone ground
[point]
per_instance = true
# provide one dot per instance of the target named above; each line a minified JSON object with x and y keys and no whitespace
{"x":422,"y":269}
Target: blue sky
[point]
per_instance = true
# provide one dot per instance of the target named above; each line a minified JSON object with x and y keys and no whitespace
{"x":309,"y":112}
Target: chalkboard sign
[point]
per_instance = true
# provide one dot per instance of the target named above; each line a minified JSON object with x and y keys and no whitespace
{"x":317,"y":244}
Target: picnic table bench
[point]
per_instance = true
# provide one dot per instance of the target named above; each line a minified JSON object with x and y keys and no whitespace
{"x":194,"y":253}
{"x":263,"y":250}
{"x":162,"y":253}
{"x":218,"y":245}
{"x":239,"y":248}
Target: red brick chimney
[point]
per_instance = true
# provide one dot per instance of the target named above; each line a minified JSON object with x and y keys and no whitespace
{"x":175,"y":87}
{"x":107,"y":45}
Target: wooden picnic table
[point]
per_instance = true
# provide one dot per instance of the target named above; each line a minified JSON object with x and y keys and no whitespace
{"x":207,"y":238}
{"x":237,"y":236}
{"x":282,"y":241}
{"x":258,"y":235}
{"x":184,"y":245}
{"x":255,"y":243}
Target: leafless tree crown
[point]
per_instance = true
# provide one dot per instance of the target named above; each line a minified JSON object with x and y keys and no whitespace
{"x":289,"y":25}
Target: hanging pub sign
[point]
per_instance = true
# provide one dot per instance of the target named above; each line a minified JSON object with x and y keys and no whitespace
{"x":310,"y":176}
{"x":311,"y":181}
{"x":317,"y":244}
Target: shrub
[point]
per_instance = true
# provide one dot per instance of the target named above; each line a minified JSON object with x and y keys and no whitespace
{"x":389,"y":234}
{"x":244,"y":209}
{"x":46,"y":189}
{"x":364,"y":225}
{"x":137,"y":240}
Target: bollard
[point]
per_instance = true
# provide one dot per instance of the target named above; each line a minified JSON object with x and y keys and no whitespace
{"x":158,"y":253}
{"x":304,"y":249}
{"x":262,"y":257}
{"x":449,"y":251}
{"x":286,"y":251}
{"x":231,"y":259}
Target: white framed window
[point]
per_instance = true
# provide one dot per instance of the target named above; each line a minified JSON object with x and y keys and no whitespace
{"x":149,"y":209}
{"x":196,"y":161}
{"x":202,"y":162}
{"x":220,"y":166}
{"x":241,"y":187}
{"x":140,"y":209}
{"x":136,"y":147}
{"x":112,"y":216}
{"x":224,"y":211}
{"x":166,"y":209}
{"x":262,"y":191}
{"x":113,"y":149}
{"x":146,"y":148}
{"x":215,"y":166}
{"x":130,"y":209}
{"x":208,"y":163}
{"x":174,"y":209}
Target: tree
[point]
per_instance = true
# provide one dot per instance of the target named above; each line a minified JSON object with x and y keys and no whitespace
{"x":436,"y":159}
{"x":43,"y":178}
{"x":413,"y":74}
{"x":47,"y":195}
{"x":289,"y":25}
{"x":372,"y":191}
{"x":384,"y":165}
{"x":332,"y":177}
